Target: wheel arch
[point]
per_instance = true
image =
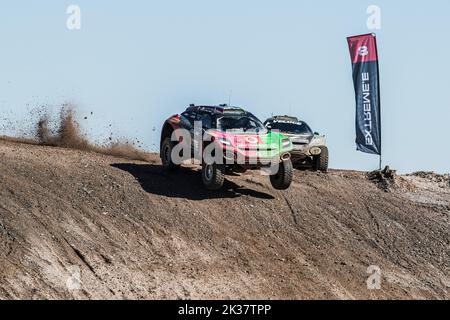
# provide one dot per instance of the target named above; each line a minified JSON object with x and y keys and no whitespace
{"x":166,"y":132}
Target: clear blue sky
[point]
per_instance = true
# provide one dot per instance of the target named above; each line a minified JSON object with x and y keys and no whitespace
{"x":134,"y":63}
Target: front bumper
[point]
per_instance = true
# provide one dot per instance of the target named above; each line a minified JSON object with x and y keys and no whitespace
{"x":254,"y":160}
{"x":304,"y":152}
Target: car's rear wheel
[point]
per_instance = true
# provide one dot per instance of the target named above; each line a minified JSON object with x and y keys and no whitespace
{"x":320,"y":162}
{"x":283,"y":178}
{"x":166,"y":155}
{"x":212,"y":176}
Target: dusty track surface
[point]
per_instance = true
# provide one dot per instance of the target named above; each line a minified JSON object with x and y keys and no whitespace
{"x":127,"y":229}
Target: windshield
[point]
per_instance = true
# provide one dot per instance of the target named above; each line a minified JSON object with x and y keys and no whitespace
{"x":239,"y":123}
{"x":289,"y":127}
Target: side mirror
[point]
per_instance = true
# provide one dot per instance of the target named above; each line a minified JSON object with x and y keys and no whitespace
{"x":316,"y":133}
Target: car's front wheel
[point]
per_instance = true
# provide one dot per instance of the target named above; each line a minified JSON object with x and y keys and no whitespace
{"x":320,"y":162}
{"x":283,"y":178}
{"x":212,"y":176}
{"x":166,"y":155}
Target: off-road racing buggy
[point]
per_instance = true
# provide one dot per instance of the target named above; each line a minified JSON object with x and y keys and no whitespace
{"x":309,"y":148}
{"x":236,"y":140}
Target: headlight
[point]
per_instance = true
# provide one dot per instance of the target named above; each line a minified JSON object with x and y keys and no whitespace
{"x":224,"y":141}
{"x":315,"y":151}
{"x":286,"y":143}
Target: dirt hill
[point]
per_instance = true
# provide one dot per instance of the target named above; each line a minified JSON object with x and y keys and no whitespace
{"x":78,"y":224}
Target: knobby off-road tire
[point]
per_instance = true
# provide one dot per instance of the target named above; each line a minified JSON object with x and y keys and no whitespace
{"x":166,"y":155}
{"x":320,"y":162}
{"x":212,"y":176}
{"x":283,"y":178}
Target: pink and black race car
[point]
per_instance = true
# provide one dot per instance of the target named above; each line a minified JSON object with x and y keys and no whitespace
{"x":226,"y":140}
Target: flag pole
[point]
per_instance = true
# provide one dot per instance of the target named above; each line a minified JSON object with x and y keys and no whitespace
{"x":379,"y":96}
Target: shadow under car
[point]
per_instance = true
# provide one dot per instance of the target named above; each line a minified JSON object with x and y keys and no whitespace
{"x":183,"y":183}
